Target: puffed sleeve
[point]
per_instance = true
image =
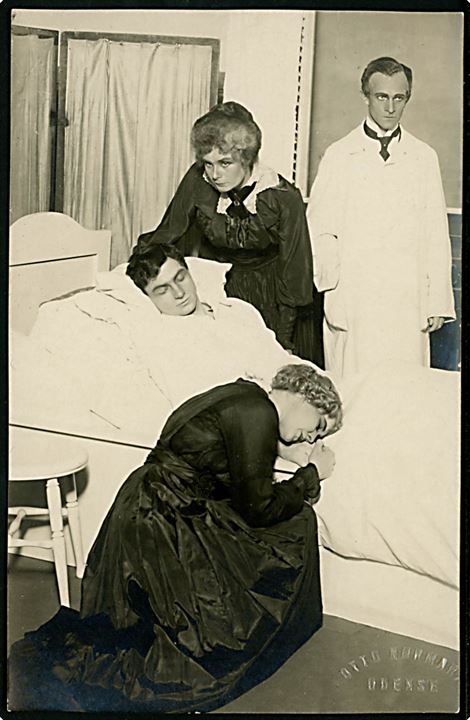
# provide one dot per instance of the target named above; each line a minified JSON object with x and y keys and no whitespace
{"x":250,"y":430}
{"x":180,"y":213}
{"x":294,"y":264}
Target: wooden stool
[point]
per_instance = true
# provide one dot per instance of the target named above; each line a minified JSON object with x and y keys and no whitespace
{"x":49,"y":458}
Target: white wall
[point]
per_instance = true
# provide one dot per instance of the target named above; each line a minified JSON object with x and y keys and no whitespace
{"x":198,"y":23}
{"x":259,"y":55}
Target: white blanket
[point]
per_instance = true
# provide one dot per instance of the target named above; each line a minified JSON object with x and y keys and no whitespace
{"x":394,"y":494}
{"x":133,"y":366}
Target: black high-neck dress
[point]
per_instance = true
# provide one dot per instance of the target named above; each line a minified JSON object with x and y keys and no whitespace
{"x":270,"y":252}
{"x":203,"y":580}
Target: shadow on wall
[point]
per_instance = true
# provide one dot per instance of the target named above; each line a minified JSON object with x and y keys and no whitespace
{"x":445,"y":343}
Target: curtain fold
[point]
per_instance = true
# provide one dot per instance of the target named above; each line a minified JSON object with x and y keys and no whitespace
{"x":130,"y":108}
{"x":86,"y":112}
{"x":33,"y":79}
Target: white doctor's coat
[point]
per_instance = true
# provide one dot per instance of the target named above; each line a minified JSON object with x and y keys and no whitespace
{"x":381,"y":250}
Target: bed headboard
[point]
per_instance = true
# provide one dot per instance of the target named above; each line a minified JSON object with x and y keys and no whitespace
{"x":51,"y":255}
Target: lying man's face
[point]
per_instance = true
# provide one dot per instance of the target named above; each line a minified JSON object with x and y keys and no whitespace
{"x":173,"y":291}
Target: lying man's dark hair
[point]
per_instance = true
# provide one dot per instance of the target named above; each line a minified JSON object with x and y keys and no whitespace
{"x":147,"y":259}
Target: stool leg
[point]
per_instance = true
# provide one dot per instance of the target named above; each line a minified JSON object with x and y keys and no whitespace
{"x":15,"y":524}
{"x":71,"y":504}
{"x":54,"y":503}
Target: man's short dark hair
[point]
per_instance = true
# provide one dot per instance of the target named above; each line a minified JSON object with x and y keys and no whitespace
{"x":147,"y":258}
{"x":387,"y":66}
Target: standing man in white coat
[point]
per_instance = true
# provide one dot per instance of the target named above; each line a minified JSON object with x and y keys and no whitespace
{"x":378,"y":225}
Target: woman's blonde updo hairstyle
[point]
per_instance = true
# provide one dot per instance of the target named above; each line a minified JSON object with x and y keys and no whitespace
{"x":316,"y":389}
{"x":230,"y":128}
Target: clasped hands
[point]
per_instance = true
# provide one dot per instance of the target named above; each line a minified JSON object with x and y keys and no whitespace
{"x":320,"y":466}
{"x":323,"y":458}
{"x":317,"y":463}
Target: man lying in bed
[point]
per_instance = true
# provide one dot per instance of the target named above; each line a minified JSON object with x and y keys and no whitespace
{"x":109,"y":346}
{"x":191,"y":290}
{"x":161,"y":272}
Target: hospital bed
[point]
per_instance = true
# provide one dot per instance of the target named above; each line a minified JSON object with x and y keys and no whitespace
{"x":388,"y":518}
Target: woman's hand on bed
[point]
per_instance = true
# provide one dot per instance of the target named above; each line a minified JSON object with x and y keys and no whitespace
{"x":323,"y":458}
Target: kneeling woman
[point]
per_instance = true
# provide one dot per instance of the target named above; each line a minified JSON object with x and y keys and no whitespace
{"x":204,"y":577}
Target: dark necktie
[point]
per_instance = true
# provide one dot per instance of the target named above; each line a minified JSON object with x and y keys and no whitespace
{"x":237,"y":208}
{"x":384,"y":141}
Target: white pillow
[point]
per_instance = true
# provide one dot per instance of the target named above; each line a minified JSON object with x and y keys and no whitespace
{"x":121,"y":286}
{"x":208,"y":275}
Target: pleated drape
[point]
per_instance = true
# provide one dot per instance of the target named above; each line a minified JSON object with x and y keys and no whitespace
{"x":130,"y":108}
{"x":86,"y":110}
{"x":33,"y":61}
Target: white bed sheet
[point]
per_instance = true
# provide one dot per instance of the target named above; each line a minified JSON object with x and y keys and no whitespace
{"x":394,"y":496}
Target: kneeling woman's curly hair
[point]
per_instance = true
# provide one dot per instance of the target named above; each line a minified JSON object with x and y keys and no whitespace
{"x":230,"y":128}
{"x":317,"y":389}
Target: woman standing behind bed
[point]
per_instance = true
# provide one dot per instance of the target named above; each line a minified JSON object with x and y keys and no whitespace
{"x":244,"y":213}
{"x":204,"y":577}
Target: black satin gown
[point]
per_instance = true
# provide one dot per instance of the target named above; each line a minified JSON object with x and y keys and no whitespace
{"x":203,"y":580}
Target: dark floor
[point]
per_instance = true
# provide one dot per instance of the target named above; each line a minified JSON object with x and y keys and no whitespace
{"x":345,"y":667}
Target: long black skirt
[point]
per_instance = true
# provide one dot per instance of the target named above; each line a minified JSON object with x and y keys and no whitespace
{"x":184,"y":607}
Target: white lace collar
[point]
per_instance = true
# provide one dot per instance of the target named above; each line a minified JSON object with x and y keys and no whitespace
{"x":263,"y":177}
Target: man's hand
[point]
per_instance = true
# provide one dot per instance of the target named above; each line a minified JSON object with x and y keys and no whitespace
{"x":434,"y":323}
{"x":323,"y":458}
